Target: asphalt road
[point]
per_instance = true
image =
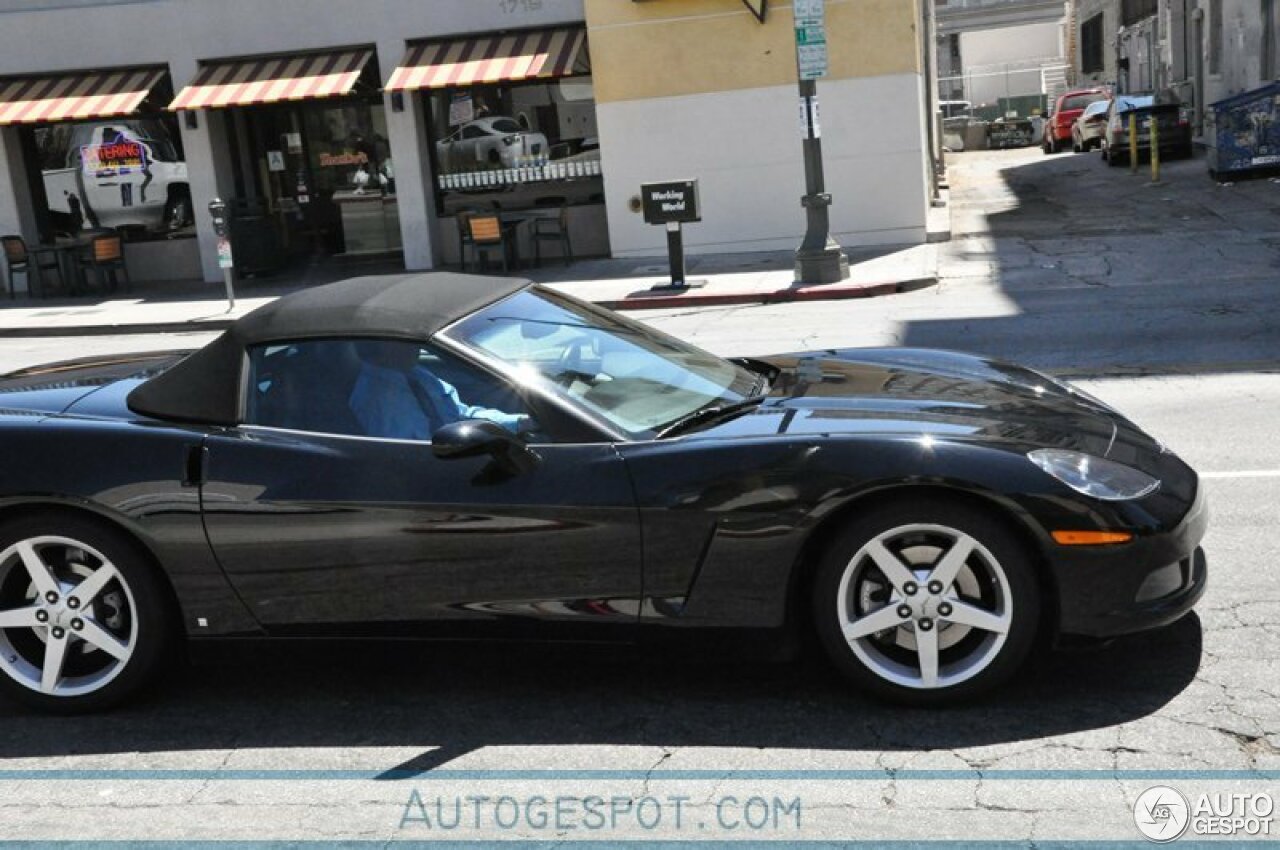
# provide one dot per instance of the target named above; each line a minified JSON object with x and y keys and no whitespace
{"x":391,"y":742}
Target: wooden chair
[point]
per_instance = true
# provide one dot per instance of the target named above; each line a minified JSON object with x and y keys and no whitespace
{"x":552,"y":229}
{"x":463,"y":217}
{"x":487,"y":234}
{"x":18,"y":260}
{"x":105,"y":257}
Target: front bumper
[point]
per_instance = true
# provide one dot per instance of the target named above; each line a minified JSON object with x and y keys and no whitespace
{"x":1107,"y":591}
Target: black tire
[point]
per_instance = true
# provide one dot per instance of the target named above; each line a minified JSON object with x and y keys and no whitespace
{"x":1116,"y":161}
{"x":1000,"y":660}
{"x":177,"y":210}
{"x":150,"y":621}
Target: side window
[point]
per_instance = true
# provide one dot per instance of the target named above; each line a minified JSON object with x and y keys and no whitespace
{"x":372,"y":388}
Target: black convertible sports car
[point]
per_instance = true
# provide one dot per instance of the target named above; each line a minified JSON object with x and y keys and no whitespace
{"x":539,"y":467}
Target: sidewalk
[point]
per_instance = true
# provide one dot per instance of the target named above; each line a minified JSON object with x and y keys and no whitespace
{"x":619,"y":284}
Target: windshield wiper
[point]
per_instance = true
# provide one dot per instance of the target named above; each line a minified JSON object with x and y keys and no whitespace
{"x":704,"y":415}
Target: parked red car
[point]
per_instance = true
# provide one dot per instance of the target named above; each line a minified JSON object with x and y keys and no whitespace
{"x":1057,"y":130}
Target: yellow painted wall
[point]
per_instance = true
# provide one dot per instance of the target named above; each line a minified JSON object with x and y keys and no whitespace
{"x":661,"y":48}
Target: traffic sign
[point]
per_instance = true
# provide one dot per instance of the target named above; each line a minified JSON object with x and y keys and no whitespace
{"x":811,"y":38}
{"x":807,"y":9}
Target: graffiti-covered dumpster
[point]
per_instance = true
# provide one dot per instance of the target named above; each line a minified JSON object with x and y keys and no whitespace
{"x":1244,"y":131}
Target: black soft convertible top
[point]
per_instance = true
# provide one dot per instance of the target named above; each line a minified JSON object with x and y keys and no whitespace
{"x":205,"y":386}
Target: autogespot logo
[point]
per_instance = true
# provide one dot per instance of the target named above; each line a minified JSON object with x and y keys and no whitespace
{"x":1162,"y":814}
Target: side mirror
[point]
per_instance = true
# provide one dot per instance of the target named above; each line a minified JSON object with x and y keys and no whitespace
{"x":476,"y":437}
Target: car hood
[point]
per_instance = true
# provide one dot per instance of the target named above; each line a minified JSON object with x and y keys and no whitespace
{"x":937,"y":393}
{"x":69,"y":385}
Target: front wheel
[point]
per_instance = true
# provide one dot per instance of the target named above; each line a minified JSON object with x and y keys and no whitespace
{"x":84,"y":620}
{"x":177,"y":210}
{"x":927,"y":603}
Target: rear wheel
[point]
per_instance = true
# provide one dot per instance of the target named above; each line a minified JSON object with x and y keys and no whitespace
{"x":927,"y":603}
{"x":84,"y":620}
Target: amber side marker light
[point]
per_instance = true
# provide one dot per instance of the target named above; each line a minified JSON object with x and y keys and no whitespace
{"x":1091,"y":538}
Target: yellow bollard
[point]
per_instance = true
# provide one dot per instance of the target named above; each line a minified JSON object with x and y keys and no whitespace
{"x":1133,"y":143}
{"x":1155,"y":149}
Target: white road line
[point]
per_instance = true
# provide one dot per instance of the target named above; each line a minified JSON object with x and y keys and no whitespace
{"x":1246,"y":473}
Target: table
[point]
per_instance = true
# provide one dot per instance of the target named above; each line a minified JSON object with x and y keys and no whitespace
{"x":511,"y":224}
{"x":64,"y":252}
{"x":70,"y":270}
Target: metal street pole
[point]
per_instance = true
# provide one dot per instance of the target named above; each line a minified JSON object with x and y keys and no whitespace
{"x":819,"y":259}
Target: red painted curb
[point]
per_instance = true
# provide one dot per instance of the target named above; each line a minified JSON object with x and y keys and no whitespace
{"x":817,"y":292}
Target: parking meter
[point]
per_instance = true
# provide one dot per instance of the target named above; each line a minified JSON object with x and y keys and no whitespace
{"x":222,"y":228}
{"x":218,"y":209}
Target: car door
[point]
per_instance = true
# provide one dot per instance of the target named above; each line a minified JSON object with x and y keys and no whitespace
{"x":325,"y":530}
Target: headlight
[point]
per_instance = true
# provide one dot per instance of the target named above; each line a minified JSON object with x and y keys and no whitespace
{"x":511,"y":140}
{"x":1094,"y":476}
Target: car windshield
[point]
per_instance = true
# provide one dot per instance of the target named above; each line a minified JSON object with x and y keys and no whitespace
{"x":506,"y":125}
{"x":154,"y":135}
{"x":633,"y":377}
{"x":1080,"y":101}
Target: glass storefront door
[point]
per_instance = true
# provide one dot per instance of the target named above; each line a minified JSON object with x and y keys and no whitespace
{"x":320,"y":174}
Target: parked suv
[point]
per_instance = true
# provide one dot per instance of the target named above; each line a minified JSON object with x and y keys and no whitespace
{"x":1069,"y":107}
{"x":114,"y":173}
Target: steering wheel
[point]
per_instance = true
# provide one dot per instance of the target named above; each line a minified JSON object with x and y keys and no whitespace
{"x":569,"y":363}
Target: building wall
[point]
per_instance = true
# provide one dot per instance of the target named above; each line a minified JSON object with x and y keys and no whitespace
{"x":1241,"y":63}
{"x":700,"y":89}
{"x":1006,"y":62}
{"x":1110,"y":11}
{"x":684,"y":87}
{"x":1181,"y":36}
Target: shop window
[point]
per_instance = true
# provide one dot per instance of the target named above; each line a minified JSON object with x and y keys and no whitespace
{"x":126,"y":174}
{"x":1091,"y":59}
{"x":515,"y":146}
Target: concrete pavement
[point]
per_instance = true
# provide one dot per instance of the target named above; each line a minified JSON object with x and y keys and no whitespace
{"x":762,"y":278}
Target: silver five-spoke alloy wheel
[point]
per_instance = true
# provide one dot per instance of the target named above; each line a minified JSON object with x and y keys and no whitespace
{"x":924,"y":606}
{"x":68,"y":617}
{"x":927,"y":600}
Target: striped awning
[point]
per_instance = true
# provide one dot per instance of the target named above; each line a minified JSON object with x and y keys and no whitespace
{"x":490,"y":59}
{"x":63,"y":97}
{"x":243,"y":82}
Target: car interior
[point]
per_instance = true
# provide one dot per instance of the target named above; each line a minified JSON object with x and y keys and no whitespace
{"x":307,"y":385}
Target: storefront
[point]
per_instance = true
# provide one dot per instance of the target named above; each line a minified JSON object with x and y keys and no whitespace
{"x":353,"y":135}
{"x":102,"y":155}
{"x":311,"y":163}
{"x":511,"y":128}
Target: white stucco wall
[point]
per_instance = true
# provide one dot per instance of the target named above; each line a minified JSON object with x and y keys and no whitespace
{"x":745,"y":149}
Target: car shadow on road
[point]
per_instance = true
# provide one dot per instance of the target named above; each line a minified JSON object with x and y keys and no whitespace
{"x":448,"y":701}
